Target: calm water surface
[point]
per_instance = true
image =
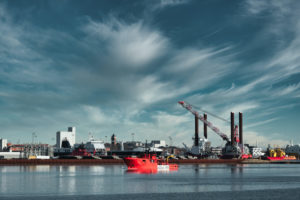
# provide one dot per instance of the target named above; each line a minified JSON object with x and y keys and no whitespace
{"x":113,"y":182}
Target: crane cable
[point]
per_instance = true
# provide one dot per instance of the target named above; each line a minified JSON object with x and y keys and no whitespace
{"x":211,"y":114}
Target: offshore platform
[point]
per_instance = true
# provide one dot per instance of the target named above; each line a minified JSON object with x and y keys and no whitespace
{"x":234,"y":147}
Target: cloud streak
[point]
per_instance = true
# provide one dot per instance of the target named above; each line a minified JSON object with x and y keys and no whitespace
{"x":106,"y":73}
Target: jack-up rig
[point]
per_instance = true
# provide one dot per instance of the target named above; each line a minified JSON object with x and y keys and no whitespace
{"x":234,"y":147}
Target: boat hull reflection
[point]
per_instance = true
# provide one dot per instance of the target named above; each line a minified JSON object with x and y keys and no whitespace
{"x":150,"y":171}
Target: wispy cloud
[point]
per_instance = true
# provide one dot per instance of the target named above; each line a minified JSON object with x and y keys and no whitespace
{"x":275,"y":7}
{"x":168,"y":3}
{"x":126,"y":74}
{"x":289,"y":90}
{"x":261,"y":123}
{"x":132,"y":44}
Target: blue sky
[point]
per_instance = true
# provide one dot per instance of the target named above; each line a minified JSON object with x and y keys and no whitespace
{"x":121,"y":66}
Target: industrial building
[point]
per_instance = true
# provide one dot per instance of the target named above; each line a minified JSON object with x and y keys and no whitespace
{"x":3,"y":144}
{"x":37,"y":150}
{"x":66,"y":136}
{"x":293,"y":150}
{"x":27,"y":150}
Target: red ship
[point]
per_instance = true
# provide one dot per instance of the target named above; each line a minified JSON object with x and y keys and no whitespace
{"x":282,"y":158}
{"x":149,"y":164}
{"x":81,"y":151}
{"x":275,"y":158}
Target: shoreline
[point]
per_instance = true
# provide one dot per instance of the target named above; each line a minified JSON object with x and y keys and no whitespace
{"x":120,"y":161}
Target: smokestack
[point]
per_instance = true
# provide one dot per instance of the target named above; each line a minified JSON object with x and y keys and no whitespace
{"x":205,"y":126}
{"x":196,"y":131}
{"x":241,"y":127}
{"x":232,"y":127}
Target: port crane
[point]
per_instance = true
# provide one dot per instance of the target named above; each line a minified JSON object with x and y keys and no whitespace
{"x":210,"y":113}
{"x":189,"y":107}
{"x":232,"y":148}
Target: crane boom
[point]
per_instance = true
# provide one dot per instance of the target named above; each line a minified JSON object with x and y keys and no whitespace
{"x":201,"y":118}
{"x":211,"y":114}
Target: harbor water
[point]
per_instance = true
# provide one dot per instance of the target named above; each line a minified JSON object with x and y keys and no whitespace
{"x":255,"y":181}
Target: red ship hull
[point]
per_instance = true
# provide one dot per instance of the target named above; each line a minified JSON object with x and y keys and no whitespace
{"x":276,"y":158}
{"x":282,"y":158}
{"x":148,"y":164}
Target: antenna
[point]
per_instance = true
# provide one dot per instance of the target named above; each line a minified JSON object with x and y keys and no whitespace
{"x":147,"y":150}
{"x":171,"y":141}
{"x":33,"y":136}
{"x":90,"y":136}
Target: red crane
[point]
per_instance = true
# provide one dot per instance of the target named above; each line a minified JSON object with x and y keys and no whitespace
{"x":232,"y":148}
{"x":189,"y":107}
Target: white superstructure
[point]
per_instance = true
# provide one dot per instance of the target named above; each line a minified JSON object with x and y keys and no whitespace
{"x":199,"y":150}
{"x":66,"y":135}
{"x":151,"y":149}
{"x":158,"y":143}
{"x":256,"y":152}
{"x":96,"y":146}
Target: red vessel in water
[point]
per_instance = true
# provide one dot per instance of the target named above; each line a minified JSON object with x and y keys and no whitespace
{"x":282,"y":158}
{"x":148,"y":164}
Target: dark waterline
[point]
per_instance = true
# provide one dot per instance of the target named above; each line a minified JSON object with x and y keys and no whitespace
{"x":262,"y":181}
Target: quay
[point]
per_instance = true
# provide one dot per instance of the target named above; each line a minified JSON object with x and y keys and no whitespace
{"x":120,"y":161}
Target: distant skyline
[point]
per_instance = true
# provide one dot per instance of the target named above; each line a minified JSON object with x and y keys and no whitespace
{"x":121,"y":67}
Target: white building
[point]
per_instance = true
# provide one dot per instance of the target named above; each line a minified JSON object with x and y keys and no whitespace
{"x":10,"y":155}
{"x":66,"y":135}
{"x":3,"y":144}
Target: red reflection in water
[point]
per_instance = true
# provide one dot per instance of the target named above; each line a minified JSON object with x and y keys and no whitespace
{"x":141,"y":171}
{"x":150,"y":171}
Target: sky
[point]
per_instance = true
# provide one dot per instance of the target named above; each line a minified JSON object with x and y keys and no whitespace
{"x":121,"y":67}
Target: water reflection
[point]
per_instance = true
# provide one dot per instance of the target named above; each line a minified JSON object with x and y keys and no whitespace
{"x":237,"y":177}
{"x":34,"y":168}
{"x":114,"y":179}
{"x":141,"y":171}
{"x":237,"y":170}
{"x":201,"y":169}
{"x":150,"y":171}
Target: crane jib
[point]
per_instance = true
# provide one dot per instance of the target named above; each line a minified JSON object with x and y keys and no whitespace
{"x":201,"y":118}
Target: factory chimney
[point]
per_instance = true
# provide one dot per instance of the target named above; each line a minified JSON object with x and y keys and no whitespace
{"x":241,"y":127}
{"x":196,"y":131}
{"x":232,"y":127}
{"x":205,"y":126}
